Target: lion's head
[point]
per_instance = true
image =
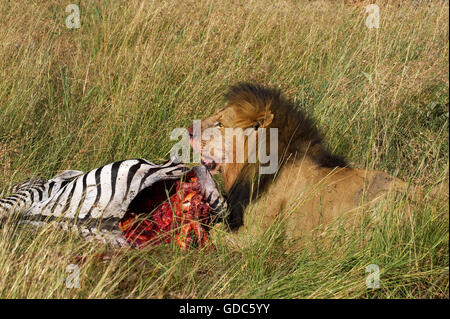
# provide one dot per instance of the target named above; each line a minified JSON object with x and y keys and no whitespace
{"x":250,"y":113}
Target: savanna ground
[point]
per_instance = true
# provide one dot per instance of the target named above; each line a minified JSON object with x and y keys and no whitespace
{"x":115,"y":88}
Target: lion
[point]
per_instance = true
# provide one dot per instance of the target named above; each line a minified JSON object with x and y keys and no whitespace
{"x":310,"y":188}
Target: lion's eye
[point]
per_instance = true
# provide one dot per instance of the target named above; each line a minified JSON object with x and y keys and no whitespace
{"x":218,"y":124}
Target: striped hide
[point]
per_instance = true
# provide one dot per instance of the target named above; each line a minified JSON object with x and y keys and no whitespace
{"x":93,"y":203}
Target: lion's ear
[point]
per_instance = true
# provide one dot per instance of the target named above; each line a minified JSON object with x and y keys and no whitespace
{"x":263,"y":119}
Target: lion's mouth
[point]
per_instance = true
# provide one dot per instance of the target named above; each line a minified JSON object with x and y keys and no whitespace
{"x":209,"y":163}
{"x":206,"y":161}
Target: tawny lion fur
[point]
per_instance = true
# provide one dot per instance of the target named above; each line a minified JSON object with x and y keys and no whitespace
{"x":311,"y":188}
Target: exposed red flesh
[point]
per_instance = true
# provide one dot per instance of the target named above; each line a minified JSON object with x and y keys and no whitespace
{"x":182,"y":219}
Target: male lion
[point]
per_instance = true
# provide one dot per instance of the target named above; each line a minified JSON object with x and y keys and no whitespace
{"x":311,"y":187}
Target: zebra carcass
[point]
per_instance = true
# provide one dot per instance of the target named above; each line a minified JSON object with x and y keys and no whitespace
{"x":126,"y":202}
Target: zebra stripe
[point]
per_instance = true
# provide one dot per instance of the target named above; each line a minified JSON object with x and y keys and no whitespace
{"x":25,"y":196}
{"x":215,"y":200}
{"x":101,"y":196}
{"x":106,"y":191}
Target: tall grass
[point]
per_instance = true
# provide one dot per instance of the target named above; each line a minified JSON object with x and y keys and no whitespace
{"x":116,"y":87}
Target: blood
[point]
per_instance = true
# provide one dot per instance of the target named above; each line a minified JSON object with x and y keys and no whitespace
{"x":183,"y":218}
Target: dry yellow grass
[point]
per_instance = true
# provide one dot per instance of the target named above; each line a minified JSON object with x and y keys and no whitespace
{"x":116,"y":87}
